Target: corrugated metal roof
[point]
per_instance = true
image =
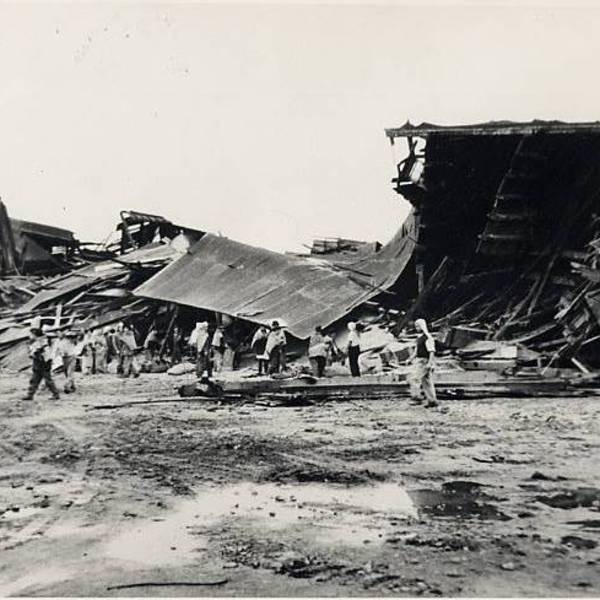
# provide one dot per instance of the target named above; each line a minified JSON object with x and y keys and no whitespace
{"x":259,"y":285}
{"x":494,"y":128}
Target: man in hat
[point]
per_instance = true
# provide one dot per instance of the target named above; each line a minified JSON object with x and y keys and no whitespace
{"x":276,"y":344}
{"x":423,"y":363}
{"x":40,"y":352}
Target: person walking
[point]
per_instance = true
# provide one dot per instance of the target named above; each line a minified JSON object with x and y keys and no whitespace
{"x":275,"y":348}
{"x":421,"y":383}
{"x":259,"y":347}
{"x":353,"y":348}
{"x":40,"y":352}
{"x":317,"y":351}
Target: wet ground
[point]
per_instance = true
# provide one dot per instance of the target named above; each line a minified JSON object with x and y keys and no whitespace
{"x":363,"y":498}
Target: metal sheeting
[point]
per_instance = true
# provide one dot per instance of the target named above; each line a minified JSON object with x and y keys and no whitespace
{"x":259,"y":285}
{"x":86,"y":276}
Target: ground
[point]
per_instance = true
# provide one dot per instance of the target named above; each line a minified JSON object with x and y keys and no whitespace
{"x":359,"y":498}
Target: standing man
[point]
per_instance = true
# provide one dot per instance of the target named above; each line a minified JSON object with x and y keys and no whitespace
{"x":100,"y":350}
{"x":218,"y":349}
{"x":275,"y":348}
{"x":423,"y":363}
{"x":41,"y":368}
{"x":67,"y":350}
{"x":201,"y":339}
{"x":127,"y":348}
{"x":353,"y":349}
{"x":317,"y":351}
{"x":259,"y":346}
{"x":176,"y":340}
{"x":87,"y":353}
{"x":151,"y":344}
{"x":111,"y":351}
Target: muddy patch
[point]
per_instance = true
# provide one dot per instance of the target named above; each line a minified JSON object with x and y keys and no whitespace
{"x":458,"y":499}
{"x":581,"y":497}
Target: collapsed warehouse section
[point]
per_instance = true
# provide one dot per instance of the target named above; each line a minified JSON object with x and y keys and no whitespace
{"x":508,"y":232}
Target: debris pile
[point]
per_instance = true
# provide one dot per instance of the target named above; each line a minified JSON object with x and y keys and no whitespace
{"x":87,"y":298}
{"x":508,"y":240}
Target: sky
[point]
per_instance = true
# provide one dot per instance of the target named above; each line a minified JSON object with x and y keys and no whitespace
{"x":263,"y":122}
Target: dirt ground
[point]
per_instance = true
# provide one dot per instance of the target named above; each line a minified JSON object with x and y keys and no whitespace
{"x":360,"y":498}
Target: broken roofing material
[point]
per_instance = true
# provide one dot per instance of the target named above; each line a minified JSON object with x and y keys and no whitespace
{"x":92,"y":296}
{"x":503,"y":209}
{"x":259,"y":285}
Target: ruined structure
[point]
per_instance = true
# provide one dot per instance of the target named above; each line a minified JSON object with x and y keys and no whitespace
{"x":508,"y":228}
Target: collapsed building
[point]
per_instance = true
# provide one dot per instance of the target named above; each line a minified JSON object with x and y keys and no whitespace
{"x":499,"y":252}
{"x":508,"y":224}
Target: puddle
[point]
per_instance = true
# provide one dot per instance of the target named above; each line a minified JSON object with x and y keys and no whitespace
{"x":326,"y":513}
{"x":458,"y":499}
{"x":155,"y":543}
{"x":581,"y":497}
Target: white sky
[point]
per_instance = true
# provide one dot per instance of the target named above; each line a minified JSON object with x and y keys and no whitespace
{"x":264,"y":122}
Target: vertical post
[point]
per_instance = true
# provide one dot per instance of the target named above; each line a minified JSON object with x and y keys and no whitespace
{"x":8,"y":263}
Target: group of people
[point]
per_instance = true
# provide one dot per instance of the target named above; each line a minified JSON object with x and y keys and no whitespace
{"x":210,"y":348}
{"x":269,"y":346}
{"x":94,"y":349}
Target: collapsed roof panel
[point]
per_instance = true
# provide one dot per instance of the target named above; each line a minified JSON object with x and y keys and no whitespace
{"x":153,"y":254}
{"x":259,"y":285}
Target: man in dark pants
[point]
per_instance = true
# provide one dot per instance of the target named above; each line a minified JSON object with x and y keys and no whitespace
{"x":317,"y":352}
{"x":41,"y":355}
{"x":353,"y":349}
{"x":259,"y":345}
